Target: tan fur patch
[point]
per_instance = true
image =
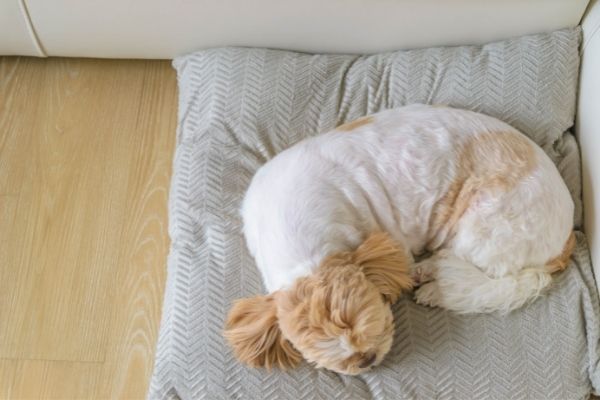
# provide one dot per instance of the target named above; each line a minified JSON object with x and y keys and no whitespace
{"x":337,"y":317}
{"x":350,"y":126}
{"x":253,"y":332}
{"x":383,"y":262}
{"x":560,"y":262}
{"x":492,"y":161}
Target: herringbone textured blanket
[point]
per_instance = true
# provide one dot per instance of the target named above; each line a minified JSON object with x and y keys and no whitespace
{"x":240,"y":107}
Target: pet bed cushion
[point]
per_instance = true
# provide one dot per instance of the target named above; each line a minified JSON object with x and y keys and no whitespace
{"x":240,"y":107}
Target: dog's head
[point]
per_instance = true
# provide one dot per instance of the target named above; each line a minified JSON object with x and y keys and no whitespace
{"x":338,"y":318}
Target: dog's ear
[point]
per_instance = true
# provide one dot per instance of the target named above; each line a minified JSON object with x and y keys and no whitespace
{"x":253,"y":332}
{"x":385,"y":264}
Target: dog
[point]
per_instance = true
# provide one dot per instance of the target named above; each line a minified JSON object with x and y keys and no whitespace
{"x":335,"y":223}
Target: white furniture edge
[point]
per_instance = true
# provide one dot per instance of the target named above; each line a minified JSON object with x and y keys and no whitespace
{"x":166,"y":28}
{"x":588,"y":129}
{"x":17,"y":35}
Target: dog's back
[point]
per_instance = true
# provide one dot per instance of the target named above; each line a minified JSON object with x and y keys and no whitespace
{"x":429,"y":176}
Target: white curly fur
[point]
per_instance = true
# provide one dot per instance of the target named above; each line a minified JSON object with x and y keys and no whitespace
{"x":389,"y":173}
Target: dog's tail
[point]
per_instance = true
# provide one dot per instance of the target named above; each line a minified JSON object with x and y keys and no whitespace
{"x":562,"y":261}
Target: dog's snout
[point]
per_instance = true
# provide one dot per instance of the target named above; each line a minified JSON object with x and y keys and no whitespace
{"x":367,"y":360}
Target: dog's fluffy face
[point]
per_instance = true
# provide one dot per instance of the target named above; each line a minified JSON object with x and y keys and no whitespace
{"x":338,"y":318}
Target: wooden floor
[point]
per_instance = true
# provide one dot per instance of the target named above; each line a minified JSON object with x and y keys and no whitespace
{"x":85,"y":159}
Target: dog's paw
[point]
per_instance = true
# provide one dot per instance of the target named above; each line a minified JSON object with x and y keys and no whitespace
{"x":428,"y":295}
{"x":422,"y":272}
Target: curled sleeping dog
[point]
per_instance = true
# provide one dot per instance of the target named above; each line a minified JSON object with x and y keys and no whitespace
{"x":334,"y":222}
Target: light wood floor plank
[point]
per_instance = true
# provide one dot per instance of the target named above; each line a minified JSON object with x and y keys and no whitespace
{"x":38,"y":379}
{"x":133,"y":335}
{"x":85,"y":157}
{"x":7,"y":377}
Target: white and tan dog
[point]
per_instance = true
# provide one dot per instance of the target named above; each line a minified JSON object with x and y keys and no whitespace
{"x":334,"y":222}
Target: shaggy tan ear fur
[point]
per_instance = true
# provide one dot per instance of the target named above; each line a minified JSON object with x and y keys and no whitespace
{"x":385,"y":264}
{"x":253,"y":332}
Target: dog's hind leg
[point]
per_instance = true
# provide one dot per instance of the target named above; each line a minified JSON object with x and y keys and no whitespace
{"x":462,"y":287}
{"x":423,"y":271}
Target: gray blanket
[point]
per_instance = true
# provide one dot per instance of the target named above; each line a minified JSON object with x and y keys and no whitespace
{"x":240,"y":107}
